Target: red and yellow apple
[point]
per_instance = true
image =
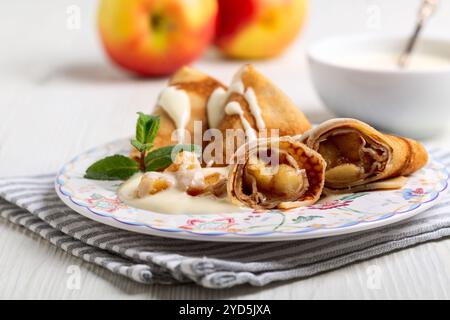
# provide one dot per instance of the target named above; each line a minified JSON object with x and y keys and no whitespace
{"x":255,"y":29}
{"x":156,"y":37}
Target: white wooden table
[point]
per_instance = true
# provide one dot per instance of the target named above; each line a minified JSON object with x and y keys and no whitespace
{"x":59,"y":96}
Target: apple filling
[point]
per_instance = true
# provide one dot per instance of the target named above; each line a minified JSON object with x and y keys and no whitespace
{"x":351,"y":158}
{"x":187,"y":175}
{"x":264,"y":182}
{"x":152,"y":183}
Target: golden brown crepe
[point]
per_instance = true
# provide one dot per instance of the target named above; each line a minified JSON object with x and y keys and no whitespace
{"x":199,"y":87}
{"x":358,"y":156}
{"x":276,"y":110}
{"x":276,"y":173}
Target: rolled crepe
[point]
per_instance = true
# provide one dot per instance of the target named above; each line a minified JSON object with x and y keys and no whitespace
{"x":358,"y":156}
{"x":181,"y":104}
{"x":276,"y":173}
{"x":254,"y":104}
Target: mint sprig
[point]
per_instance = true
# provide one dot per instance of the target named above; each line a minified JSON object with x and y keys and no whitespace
{"x":147,"y":127}
{"x":115,"y":167}
{"x":120,"y":167}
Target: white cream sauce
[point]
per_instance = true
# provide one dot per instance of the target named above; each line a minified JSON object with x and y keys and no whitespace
{"x":176,"y":104}
{"x":217,"y":101}
{"x":389,"y":61}
{"x":215,"y":107}
{"x":190,"y":178}
{"x":250,"y":96}
{"x":234,"y":108}
{"x":174,"y":200}
{"x":236,"y":86}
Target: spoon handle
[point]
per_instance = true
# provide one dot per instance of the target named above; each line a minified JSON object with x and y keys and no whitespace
{"x":426,"y":11}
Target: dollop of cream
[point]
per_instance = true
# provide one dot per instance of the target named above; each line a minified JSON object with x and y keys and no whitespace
{"x":176,"y":104}
{"x":188,"y":171}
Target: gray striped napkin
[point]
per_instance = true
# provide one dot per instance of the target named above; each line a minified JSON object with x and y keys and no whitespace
{"x":33,"y":203}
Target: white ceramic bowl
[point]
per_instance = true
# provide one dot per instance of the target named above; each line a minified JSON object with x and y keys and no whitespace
{"x":414,"y":103}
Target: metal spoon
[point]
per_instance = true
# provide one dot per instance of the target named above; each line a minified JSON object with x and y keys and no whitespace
{"x":426,"y":11}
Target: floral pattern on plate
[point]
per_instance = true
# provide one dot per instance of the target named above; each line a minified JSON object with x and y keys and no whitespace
{"x":332,"y":215}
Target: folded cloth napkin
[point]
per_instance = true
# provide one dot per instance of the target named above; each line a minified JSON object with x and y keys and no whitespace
{"x":33,"y":203}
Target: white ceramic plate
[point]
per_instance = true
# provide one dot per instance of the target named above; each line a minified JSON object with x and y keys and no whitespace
{"x":331,"y":216}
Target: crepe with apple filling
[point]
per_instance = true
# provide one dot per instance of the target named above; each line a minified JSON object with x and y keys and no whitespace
{"x":358,"y":156}
{"x":294,"y":179}
{"x":253,"y":107}
{"x":181,"y":105}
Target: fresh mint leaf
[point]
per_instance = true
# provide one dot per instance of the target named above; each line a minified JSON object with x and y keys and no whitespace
{"x":161,"y":158}
{"x":115,"y":167}
{"x":147,"y":127}
{"x":142,"y":147}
